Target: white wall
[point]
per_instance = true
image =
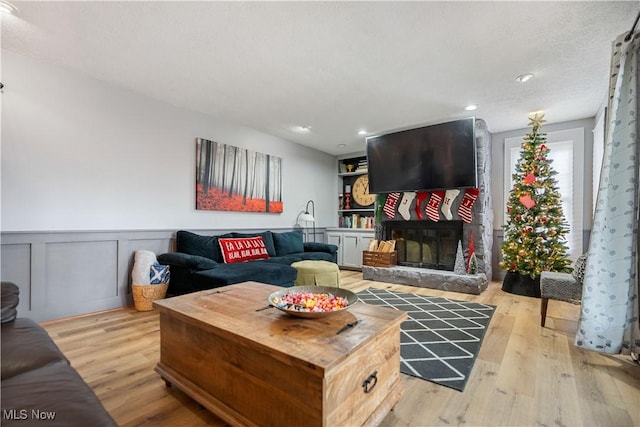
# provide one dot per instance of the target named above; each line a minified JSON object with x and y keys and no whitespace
{"x":81,"y":154}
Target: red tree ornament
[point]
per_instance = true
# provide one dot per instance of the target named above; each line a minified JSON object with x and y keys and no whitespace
{"x":527,"y":201}
{"x":529,"y":179}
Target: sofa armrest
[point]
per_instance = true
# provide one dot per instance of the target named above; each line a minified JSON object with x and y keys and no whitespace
{"x":320,"y":247}
{"x":179,"y":259}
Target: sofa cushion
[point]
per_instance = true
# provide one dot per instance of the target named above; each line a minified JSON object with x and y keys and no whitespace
{"x":289,"y":242}
{"x":315,"y":256}
{"x":26,"y":346}
{"x":240,"y":249}
{"x":194,"y":244}
{"x":178,"y":259}
{"x":267,"y":238}
{"x":320,"y":247}
{"x":286,"y":259}
{"x":258,"y":271}
{"x":10,"y":299}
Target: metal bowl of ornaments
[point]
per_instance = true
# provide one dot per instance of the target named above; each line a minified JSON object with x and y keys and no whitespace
{"x":312,"y":301}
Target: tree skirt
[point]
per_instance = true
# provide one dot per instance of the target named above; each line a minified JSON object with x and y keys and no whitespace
{"x":516,"y":283}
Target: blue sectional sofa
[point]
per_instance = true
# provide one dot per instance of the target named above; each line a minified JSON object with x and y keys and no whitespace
{"x":198,"y":262}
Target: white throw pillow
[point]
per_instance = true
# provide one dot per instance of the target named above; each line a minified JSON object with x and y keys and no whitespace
{"x":142,"y":263}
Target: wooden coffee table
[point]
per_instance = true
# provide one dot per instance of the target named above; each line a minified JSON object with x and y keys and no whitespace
{"x":252,"y":364}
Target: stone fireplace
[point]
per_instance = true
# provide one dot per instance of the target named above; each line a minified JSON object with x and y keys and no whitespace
{"x":425,"y":244}
{"x":427,"y":249}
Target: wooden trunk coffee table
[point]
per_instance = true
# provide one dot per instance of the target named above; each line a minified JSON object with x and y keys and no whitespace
{"x":252,"y":364}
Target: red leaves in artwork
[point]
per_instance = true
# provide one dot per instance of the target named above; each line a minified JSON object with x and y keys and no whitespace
{"x":218,"y":200}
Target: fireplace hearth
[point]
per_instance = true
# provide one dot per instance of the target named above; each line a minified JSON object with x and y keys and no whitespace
{"x":425,"y":244}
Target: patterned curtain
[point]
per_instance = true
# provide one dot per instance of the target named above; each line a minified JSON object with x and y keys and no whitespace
{"x":609,"y":313}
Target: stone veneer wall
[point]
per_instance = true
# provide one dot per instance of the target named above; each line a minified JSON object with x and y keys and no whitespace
{"x":482,"y":219}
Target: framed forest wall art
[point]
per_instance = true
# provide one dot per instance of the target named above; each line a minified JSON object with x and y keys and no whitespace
{"x":230,"y":178}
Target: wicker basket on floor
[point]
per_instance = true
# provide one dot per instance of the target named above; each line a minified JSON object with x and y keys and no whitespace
{"x":379,"y":259}
{"x":145,"y":295}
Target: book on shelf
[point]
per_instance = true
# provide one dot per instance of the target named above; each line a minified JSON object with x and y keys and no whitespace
{"x":355,"y":221}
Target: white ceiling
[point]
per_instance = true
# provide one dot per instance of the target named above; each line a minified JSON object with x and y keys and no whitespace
{"x":337,"y":66}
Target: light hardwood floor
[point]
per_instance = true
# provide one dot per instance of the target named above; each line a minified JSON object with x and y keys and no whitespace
{"x":525,"y":375}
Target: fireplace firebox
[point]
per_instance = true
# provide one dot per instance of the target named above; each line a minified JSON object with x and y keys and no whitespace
{"x":425,"y":244}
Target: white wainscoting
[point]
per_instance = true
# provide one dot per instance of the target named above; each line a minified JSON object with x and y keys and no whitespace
{"x":68,"y":273}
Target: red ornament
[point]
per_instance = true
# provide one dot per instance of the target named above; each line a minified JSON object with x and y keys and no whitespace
{"x":527,"y":201}
{"x":530,"y":178}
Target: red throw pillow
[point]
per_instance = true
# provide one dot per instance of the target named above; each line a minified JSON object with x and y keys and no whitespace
{"x":243,"y":249}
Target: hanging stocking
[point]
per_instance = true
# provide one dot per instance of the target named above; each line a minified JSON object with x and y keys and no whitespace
{"x":434,"y":203}
{"x":469,"y":198}
{"x":449,"y":197}
{"x":420,"y":197}
{"x":403,"y":209}
{"x":389,"y":208}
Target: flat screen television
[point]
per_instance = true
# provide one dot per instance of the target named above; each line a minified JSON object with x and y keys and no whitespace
{"x":439,"y":156}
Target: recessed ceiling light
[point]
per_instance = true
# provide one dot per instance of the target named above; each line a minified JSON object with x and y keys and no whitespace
{"x":471,"y":107}
{"x":305,"y":128}
{"x":341,"y":145}
{"x":6,"y":7}
{"x":362,"y":132}
{"x":524,"y":77}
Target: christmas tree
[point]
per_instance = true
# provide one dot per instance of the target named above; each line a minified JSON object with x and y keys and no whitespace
{"x":534,"y":238}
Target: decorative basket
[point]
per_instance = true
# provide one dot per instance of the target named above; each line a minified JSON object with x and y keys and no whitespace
{"x":379,"y":259}
{"x":145,"y":295}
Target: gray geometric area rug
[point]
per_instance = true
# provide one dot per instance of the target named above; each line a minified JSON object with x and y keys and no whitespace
{"x":440,"y":339}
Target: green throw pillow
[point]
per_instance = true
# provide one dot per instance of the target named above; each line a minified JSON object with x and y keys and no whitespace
{"x":289,"y":242}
